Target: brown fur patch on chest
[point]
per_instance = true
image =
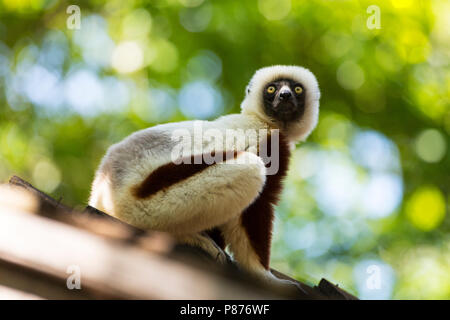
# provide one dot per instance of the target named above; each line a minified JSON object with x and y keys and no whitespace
{"x":257,"y":219}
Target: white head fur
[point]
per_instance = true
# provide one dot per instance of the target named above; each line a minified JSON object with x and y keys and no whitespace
{"x":253,"y":102}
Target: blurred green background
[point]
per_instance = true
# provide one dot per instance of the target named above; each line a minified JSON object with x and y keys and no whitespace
{"x":366,"y":203}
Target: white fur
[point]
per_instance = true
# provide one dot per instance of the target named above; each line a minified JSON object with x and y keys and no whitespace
{"x":129,"y":162}
{"x":214,"y":197}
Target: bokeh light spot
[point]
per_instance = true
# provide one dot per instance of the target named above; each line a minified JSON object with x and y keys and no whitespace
{"x":382,"y":195}
{"x":163,"y":102}
{"x":136,"y":24}
{"x":336,"y":44}
{"x":205,"y":65}
{"x":196,"y":19}
{"x":166,"y":59}
{"x":305,"y":163}
{"x":375,"y":151}
{"x":350,"y":75}
{"x":46,"y":176}
{"x":94,"y":41}
{"x":430,"y":145}
{"x":127,"y":57}
{"x":200,"y":100}
{"x":426,"y":208}
{"x":413,"y":46}
{"x":83,"y":90}
{"x":334,"y":130}
{"x":337,"y":184}
{"x":274,"y":9}
{"x":42,"y":87}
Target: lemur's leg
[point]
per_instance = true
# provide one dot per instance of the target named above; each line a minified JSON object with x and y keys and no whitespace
{"x":185,"y":199}
{"x":249,"y":235}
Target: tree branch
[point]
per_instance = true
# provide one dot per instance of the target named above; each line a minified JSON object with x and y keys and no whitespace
{"x":160,"y":245}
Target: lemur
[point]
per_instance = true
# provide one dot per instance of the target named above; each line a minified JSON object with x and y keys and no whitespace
{"x":144,"y":182}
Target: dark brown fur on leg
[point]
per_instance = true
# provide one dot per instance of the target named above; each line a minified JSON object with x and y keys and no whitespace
{"x":257,"y":219}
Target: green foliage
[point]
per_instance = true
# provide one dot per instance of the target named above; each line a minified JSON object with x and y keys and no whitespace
{"x":369,"y":188}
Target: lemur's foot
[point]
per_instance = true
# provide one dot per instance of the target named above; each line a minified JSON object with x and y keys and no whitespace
{"x":206,"y":244}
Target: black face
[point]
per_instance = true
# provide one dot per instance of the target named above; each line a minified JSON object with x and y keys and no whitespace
{"x":284,"y":100}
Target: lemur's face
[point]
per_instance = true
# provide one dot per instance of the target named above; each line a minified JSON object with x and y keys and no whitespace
{"x":284,"y":100}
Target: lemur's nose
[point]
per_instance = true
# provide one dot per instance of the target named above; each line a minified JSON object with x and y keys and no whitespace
{"x":285,"y":94}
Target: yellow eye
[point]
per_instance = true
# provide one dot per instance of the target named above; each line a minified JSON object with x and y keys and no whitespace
{"x":298,"y":90}
{"x":271,"y":89}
